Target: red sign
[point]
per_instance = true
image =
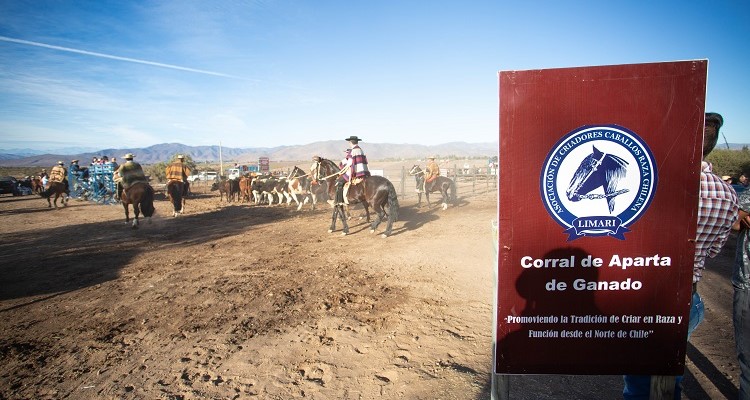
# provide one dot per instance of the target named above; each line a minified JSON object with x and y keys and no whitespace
{"x":599,"y":181}
{"x":265,"y":164}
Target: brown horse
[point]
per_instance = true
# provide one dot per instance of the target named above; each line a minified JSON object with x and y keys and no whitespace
{"x":36,"y":185}
{"x":375,"y":191}
{"x":177,"y":192}
{"x":141,"y":196}
{"x":445,"y":186}
{"x":58,"y":189}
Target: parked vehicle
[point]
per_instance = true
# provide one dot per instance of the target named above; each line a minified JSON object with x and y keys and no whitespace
{"x":9,"y":185}
{"x":205,"y":176}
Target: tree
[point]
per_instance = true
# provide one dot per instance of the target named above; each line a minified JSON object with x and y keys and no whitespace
{"x":158,"y":171}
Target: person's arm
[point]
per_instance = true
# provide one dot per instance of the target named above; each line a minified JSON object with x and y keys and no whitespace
{"x":743,"y":221}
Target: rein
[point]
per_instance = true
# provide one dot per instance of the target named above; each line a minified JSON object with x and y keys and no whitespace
{"x":602,"y":196}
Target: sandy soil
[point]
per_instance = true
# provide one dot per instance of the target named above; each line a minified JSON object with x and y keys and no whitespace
{"x":239,"y":301}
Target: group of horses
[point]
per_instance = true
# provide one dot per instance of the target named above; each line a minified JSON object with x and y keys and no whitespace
{"x":373,"y":192}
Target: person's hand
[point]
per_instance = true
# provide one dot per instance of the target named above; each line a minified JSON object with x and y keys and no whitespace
{"x":746,"y":222}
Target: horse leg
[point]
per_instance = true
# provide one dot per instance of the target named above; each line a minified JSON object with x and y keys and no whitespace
{"x":379,"y":212}
{"x":444,"y":192}
{"x":389,"y":225}
{"x":127,"y":212}
{"x":334,"y":215}
{"x":136,"y":213}
{"x":343,"y":221}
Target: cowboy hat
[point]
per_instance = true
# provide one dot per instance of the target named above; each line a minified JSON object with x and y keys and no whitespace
{"x":180,"y":156}
{"x":60,"y":163}
{"x":431,"y":157}
{"x":353,"y":139}
{"x":128,"y":156}
{"x":74,"y":161}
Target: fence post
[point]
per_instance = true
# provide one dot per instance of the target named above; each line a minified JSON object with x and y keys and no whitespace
{"x":403,"y":182}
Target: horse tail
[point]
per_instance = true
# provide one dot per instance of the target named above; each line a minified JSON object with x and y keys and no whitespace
{"x":147,"y":202}
{"x":392,"y":202}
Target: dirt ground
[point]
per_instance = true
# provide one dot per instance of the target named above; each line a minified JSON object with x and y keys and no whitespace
{"x":239,"y":301}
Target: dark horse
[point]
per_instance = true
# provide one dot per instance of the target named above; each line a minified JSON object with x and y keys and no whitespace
{"x":442,"y":184}
{"x":375,"y":191}
{"x":141,"y":196}
{"x":58,"y":189}
{"x":598,"y":169}
{"x":177,"y":192}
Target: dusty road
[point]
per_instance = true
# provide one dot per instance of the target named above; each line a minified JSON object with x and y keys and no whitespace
{"x":239,"y":301}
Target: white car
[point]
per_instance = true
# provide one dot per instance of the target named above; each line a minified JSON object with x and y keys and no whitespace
{"x":204,"y":176}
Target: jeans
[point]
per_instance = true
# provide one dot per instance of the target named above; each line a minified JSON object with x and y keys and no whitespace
{"x":638,"y":387}
{"x":741,"y":319}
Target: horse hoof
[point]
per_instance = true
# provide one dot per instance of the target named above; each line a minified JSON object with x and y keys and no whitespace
{"x":372,"y":231}
{"x":384,"y":236}
{"x":330,"y":231}
{"x":344,"y":233}
{"x":445,"y":206}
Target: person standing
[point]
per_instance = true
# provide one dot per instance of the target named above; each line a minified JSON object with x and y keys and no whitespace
{"x":44,"y":177}
{"x":717,"y":212}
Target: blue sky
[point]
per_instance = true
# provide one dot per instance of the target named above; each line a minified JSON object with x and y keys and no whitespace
{"x":118,"y":74}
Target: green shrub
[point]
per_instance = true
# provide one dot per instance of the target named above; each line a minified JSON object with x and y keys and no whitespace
{"x":730,"y":162}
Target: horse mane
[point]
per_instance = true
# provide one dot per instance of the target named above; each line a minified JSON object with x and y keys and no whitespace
{"x":613,"y":177}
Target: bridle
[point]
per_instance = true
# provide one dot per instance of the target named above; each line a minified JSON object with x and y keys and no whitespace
{"x":595,"y":167}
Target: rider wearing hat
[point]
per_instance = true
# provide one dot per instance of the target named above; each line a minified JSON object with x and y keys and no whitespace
{"x":178,"y":171}
{"x":59,"y":174}
{"x":129,"y":173}
{"x":432,"y":171}
{"x":357,"y":169}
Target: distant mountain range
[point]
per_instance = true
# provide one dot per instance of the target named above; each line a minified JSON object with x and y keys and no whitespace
{"x":333,"y":149}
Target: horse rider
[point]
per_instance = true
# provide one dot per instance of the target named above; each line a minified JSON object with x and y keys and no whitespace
{"x":177,"y":171}
{"x":58,"y":173}
{"x":343,"y":181}
{"x":432,"y":171}
{"x":129,"y":173}
{"x":358,"y":168}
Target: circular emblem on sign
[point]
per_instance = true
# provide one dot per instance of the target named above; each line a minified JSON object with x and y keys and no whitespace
{"x":598,"y":180}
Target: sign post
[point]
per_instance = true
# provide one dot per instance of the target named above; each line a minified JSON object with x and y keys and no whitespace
{"x":599,"y":182}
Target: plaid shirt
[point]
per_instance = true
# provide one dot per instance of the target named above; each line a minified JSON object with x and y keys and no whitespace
{"x":717,"y":211}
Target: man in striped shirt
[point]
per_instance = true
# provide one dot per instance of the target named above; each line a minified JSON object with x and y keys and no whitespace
{"x":717,"y":211}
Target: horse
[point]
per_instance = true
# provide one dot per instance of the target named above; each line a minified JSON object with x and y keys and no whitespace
{"x":36,"y":185}
{"x":442,"y":184}
{"x":177,"y":191}
{"x":58,"y":189}
{"x":141,"y":196}
{"x":596,"y":170}
{"x":375,"y":191}
{"x":298,"y":184}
